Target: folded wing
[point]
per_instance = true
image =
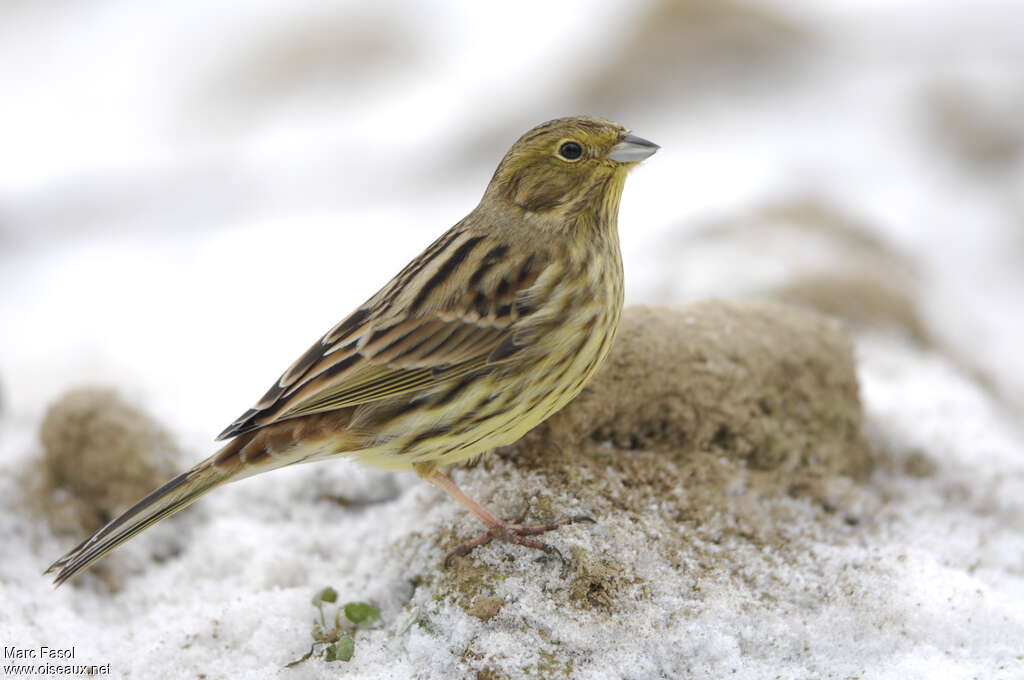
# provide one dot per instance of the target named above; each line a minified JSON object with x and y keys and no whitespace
{"x":388,"y":348}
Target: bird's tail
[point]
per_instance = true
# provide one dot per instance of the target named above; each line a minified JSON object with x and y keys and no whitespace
{"x":172,"y":497}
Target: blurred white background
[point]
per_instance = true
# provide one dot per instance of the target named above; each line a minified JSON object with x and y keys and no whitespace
{"x":191,"y":194}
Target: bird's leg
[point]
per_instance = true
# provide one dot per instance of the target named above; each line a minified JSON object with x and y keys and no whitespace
{"x":513,"y":532}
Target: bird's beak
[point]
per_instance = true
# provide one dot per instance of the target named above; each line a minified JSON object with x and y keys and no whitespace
{"x":632,"y":149}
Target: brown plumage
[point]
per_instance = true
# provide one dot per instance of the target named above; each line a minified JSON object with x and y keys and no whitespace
{"x":494,"y":327}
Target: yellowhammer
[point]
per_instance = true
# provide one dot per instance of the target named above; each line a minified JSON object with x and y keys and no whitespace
{"x":494,"y":327}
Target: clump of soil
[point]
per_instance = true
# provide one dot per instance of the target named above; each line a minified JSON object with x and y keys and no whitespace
{"x":695,"y":46}
{"x":807,"y":251}
{"x":862,"y":301}
{"x":709,"y":425}
{"x":976,"y":122}
{"x":100,"y":455}
{"x":333,"y":46}
{"x":486,"y":608}
{"x":761,"y":383}
{"x":595,"y":585}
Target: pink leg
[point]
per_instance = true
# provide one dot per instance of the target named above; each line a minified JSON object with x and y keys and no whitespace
{"x":513,"y":532}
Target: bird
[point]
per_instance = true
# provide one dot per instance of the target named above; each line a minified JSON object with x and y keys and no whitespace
{"x":493,"y":328}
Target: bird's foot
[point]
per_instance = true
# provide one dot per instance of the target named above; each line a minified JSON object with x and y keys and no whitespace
{"x":516,"y":532}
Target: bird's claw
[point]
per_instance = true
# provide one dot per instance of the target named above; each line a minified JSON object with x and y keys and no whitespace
{"x":516,"y":532}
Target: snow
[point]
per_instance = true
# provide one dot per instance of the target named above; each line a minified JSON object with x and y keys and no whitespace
{"x":147,"y":244}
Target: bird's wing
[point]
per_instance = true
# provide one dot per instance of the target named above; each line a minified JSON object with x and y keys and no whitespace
{"x":458,"y":308}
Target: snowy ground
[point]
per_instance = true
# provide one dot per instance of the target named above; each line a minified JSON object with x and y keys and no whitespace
{"x":179,"y":228}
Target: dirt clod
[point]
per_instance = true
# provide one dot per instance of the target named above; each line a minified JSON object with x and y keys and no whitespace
{"x":100,"y":455}
{"x":709,"y":425}
{"x":762,"y":383}
{"x":486,"y":608}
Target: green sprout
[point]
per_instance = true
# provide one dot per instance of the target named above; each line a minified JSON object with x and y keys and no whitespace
{"x":360,"y":612}
{"x":336,"y":640}
{"x":328,"y":594}
{"x":342,"y":650}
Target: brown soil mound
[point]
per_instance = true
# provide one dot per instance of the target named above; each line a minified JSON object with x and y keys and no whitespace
{"x":100,"y":456}
{"x":692,"y":47}
{"x":710,"y":425}
{"x":762,"y":383}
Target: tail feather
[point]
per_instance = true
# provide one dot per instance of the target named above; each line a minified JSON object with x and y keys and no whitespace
{"x":172,"y":497}
{"x":248,"y":454}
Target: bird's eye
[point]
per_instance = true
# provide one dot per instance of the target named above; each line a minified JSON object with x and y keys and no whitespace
{"x":570,"y":151}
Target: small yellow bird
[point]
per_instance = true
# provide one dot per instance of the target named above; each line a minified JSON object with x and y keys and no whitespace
{"x":494,"y":327}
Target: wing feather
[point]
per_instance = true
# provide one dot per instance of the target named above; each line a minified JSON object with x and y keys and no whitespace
{"x":419,"y":331}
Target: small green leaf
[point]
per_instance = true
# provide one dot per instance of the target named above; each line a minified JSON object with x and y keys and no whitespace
{"x":328,"y":594}
{"x":360,"y":612}
{"x":342,"y":650}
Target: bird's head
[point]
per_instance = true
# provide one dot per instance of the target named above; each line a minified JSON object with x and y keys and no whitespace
{"x":565,"y":167}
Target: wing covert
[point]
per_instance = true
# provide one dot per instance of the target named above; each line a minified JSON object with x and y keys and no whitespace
{"x":378,"y":352}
